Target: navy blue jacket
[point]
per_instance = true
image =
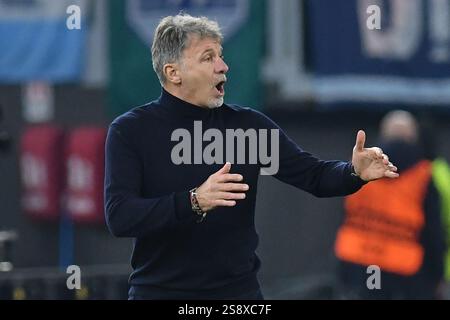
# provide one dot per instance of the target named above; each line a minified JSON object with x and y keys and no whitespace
{"x":147,"y":198}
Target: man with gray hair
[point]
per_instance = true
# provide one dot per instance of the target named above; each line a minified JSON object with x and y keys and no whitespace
{"x":193,"y":221}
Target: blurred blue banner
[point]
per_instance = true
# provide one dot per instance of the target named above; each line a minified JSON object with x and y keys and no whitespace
{"x":406,"y":60}
{"x":409,"y":43}
{"x":42,"y":40}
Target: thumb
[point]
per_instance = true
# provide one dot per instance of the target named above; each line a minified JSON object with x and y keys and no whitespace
{"x":225,"y":169}
{"x":360,"y":140}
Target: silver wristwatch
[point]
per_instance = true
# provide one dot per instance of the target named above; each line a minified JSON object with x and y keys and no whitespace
{"x":195,"y":206}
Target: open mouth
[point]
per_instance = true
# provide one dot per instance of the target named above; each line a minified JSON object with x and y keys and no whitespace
{"x":220,"y":88}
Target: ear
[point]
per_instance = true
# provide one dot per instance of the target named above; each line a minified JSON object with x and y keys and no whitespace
{"x":172,"y":73}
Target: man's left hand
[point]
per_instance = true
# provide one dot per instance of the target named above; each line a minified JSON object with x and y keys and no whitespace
{"x":371,"y":163}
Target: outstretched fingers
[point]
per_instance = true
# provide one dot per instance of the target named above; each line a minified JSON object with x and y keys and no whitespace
{"x":360,"y":140}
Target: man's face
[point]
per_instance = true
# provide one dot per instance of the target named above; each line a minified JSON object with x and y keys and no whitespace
{"x":202,"y":73}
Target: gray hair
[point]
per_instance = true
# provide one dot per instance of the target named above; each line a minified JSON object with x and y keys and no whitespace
{"x":172,"y":37}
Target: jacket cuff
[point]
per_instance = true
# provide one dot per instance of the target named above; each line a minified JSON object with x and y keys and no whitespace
{"x":353,"y":180}
{"x":183,"y":208}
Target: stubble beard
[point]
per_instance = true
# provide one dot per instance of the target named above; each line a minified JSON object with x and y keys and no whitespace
{"x":215,"y":103}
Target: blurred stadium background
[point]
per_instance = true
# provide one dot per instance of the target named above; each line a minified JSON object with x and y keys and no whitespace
{"x":312,"y":65}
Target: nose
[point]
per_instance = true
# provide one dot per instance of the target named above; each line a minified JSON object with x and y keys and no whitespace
{"x":221,"y":66}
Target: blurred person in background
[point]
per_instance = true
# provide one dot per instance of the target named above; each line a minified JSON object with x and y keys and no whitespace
{"x":193,"y":225}
{"x":394,"y":224}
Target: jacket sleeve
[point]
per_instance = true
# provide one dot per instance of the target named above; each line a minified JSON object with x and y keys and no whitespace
{"x":127,"y":213}
{"x":306,"y":172}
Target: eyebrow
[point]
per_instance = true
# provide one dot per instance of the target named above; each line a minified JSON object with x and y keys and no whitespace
{"x":211,"y":51}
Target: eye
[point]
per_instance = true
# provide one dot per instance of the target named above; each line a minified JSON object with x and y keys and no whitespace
{"x":208,"y":58}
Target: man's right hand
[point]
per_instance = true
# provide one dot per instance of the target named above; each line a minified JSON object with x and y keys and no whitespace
{"x":221,"y":189}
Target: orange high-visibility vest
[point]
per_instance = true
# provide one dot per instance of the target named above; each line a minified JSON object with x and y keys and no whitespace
{"x":383,"y":223}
